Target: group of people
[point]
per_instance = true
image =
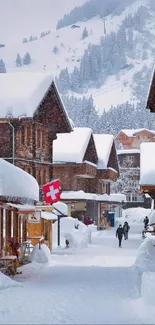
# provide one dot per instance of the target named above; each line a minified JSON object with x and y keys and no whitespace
{"x":122,"y":231}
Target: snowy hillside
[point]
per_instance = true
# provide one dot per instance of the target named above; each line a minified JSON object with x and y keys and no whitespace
{"x":65,"y":47}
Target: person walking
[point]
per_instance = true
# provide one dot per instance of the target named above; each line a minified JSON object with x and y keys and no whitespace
{"x":126,"y":229}
{"x":146,"y":221}
{"x":119,"y":234}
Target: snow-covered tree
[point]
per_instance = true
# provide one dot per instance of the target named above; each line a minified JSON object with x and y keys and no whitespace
{"x":2,"y":66}
{"x":85,"y":33}
{"x":18,"y":61}
{"x":25,"y":40}
{"x":27,"y":59}
{"x":55,"y":50}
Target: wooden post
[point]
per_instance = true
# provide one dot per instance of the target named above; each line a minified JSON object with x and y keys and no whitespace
{"x":8,"y":225}
{"x":15,"y":224}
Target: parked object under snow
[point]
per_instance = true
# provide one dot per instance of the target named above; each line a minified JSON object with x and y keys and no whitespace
{"x":146,"y":255}
{"x":6,"y":282}
{"x":77,"y":239}
{"x":41,"y":254}
{"x":16,"y":183}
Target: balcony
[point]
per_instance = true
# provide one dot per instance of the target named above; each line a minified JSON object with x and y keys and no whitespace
{"x":85,"y":170}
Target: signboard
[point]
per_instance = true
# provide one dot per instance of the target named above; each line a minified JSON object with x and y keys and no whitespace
{"x":34,"y":217}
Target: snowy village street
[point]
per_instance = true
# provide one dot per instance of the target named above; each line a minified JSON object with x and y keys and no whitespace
{"x":94,"y":285}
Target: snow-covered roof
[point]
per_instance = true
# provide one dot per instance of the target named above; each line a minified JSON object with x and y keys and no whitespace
{"x":71,"y":147}
{"x":16,"y":183}
{"x":22,"y":92}
{"x":127,"y":151}
{"x":48,"y":215}
{"x":133,"y":132}
{"x":81,"y":195}
{"x":147,"y":164}
{"x":103,"y":144}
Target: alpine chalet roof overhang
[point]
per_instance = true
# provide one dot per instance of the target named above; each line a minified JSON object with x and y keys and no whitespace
{"x":16,"y":185}
{"x":151,"y":95}
{"x":24,"y":95}
{"x":77,"y":150}
{"x":107,"y":167}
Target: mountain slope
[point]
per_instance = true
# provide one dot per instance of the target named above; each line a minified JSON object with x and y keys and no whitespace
{"x":65,"y":47}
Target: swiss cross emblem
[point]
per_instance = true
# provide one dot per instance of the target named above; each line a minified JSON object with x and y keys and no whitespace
{"x":51,"y":191}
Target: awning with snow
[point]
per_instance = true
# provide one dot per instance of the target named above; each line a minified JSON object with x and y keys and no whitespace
{"x":48,"y":215}
{"x":16,"y":185}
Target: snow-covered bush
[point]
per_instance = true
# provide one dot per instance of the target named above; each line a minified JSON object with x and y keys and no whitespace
{"x":41,"y":255}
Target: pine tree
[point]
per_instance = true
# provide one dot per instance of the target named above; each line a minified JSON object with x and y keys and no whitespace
{"x":85,"y":33}
{"x":25,"y":40}
{"x":31,"y":39}
{"x":18,"y":61}
{"x":2,"y":67}
{"x":27,"y":59}
{"x":55,"y":50}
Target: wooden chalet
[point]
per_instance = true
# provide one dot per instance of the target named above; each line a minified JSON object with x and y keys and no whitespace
{"x":131,"y":139}
{"x":31,"y":114}
{"x":151,"y":95}
{"x":85,"y":163}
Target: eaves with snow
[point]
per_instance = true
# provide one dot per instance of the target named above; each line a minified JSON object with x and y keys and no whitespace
{"x":71,"y":147}
{"x":16,"y":185}
{"x":147,"y":164}
{"x":134,"y":132}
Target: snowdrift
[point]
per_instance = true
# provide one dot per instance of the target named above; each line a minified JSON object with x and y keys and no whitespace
{"x":145,"y":261}
{"x":41,"y":255}
{"x":134,"y":215}
{"x":148,"y":287}
{"x":6,"y":282}
{"x":76,"y":237}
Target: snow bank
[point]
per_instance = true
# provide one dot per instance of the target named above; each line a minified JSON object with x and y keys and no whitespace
{"x":67,"y":226}
{"x":148,"y":287}
{"x":134,"y":215}
{"x":77,"y":239}
{"x":6,"y":282}
{"x":145,"y":260}
{"x":152,"y":218}
{"x":41,"y":255}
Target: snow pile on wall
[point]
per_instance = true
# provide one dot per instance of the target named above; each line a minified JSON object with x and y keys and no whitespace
{"x":77,"y":239}
{"x":145,"y":260}
{"x":134,"y":215}
{"x":6,"y":282}
{"x":41,"y":255}
{"x":148,"y":287}
{"x":67,"y":225}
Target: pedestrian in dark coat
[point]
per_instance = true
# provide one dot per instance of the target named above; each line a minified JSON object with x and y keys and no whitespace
{"x":146,"y":221}
{"x":126,"y":229}
{"x":119,"y":234}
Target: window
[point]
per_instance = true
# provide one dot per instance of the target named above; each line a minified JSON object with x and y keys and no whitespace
{"x":26,"y":134}
{"x":46,"y":231}
{"x":39,"y":138}
{"x":23,"y":135}
{"x":105,"y":188}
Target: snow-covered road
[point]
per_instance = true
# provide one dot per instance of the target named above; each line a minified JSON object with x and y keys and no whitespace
{"x":91,"y":286}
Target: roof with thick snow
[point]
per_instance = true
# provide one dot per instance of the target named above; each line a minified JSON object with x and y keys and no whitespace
{"x":133,"y":132}
{"x":103,"y":143}
{"x":147,"y":164}
{"x":81,"y":195}
{"x":71,"y":147}
{"x":16,"y":183}
{"x":21,"y":94}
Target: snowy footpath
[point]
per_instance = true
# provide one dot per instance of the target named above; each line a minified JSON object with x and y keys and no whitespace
{"x":95,"y":285}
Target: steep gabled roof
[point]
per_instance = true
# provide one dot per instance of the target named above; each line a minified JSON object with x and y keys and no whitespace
{"x":71,"y":147}
{"x":22,"y":93}
{"x":104,"y":143}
